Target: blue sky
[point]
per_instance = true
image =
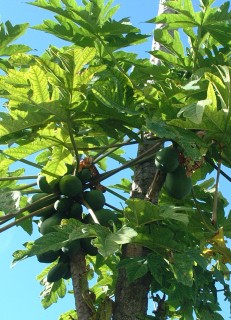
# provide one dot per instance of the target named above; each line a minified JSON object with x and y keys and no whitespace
{"x":19,"y":294}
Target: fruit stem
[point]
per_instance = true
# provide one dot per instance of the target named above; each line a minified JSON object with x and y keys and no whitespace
{"x":17,"y":178}
{"x":115,"y":194}
{"x":29,"y":163}
{"x":16,"y":222}
{"x":143,"y":157}
{"x":76,"y":152}
{"x":28,"y":207}
{"x":215,"y":199}
{"x":114,"y":147}
{"x":90,"y":211}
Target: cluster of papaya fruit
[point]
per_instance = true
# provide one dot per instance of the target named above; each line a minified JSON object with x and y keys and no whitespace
{"x":64,"y":199}
{"x":177,"y":183}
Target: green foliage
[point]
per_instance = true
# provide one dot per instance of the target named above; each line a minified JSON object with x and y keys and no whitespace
{"x":80,"y":108}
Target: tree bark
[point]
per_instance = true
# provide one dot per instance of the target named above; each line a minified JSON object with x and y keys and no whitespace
{"x":80,"y":285}
{"x":131,"y":299}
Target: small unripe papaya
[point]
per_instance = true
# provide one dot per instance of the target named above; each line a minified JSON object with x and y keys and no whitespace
{"x":167,"y":159}
{"x":63,"y":205}
{"x":95,"y":199}
{"x":58,"y":271}
{"x":84,"y":175}
{"x":48,"y":224}
{"x":104,"y":217}
{"x":70,"y":186}
{"x":88,"y":247}
{"x":43,"y":184}
{"x":75,"y":211}
{"x":177,"y":184}
{"x":49,"y":256}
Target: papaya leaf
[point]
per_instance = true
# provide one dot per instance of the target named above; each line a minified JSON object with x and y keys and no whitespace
{"x":20,"y":255}
{"x":135,"y":268}
{"x":49,"y":242}
{"x":71,"y":314}
{"x":9,"y":201}
{"x":182,"y":268}
{"x":10,"y":33}
{"x":194,"y":112}
{"x":52,"y":292}
{"x":155,"y":237}
{"x":141,"y":212}
{"x":39,"y":84}
{"x":125,"y":185}
{"x":57,"y":165}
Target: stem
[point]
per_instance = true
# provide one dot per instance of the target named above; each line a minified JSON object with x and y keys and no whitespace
{"x":114,"y":147}
{"x":28,"y":207}
{"x":215,"y":200}
{"x":29,"y":163}
{"x":16,"y":222}
{"x":226,"y":176}
{"x":115,"y":194}
{"x":18,"y":178}
{"x":142,"y":158}
{"x":76,"y":152}
{"x":113,"y":208}
{"x":90,"y":211}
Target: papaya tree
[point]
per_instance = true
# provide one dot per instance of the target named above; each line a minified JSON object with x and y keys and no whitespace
{"x":72,"y":114}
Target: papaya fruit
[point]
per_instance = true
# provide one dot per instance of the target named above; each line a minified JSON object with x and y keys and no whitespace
{"x":73,"y":247}
{"x":84,"y":175}
{"x":177,"y":184}
{"x":49,"y":256}
{"x":38,"y":196}
{"x":95,"y":199}
{"x":104,"y":217}
{"x":75,"y":211}
{"x":43,"y":184}
{"x":88,"y":247}
{"x":70,"y":186}
{"x":63,"y":205}
{"x":48,"y":224}
{"x":167,"y":159}
{"x":57,"y":272}
{"x":70,"y":168}
{"x":68,"y":274}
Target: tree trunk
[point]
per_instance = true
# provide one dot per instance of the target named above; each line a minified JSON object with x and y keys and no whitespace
{"x":131,"y":299}
{"x":80,"y":286}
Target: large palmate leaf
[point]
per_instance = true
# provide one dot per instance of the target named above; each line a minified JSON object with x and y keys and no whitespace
{"x":8,"y":34}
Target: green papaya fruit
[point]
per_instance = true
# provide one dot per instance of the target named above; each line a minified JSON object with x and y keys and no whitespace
{"x":36,"y":197}
{"x":49,"y":256}
{"x":43,"y":184}
{"x":73,"y":247}
{"x":68,"y":274}
{"x":84,"y":175}
{"x":104,"y":217}
{"x":177,"y":184}
{"x":167,"y":159}
{"x":75,"y":211}
{"x":57,"y":272}
{"x":63,"y":205}
{"x":70,"y":168}
{"x":95,"y":199}
{"x":70,"y":186}
{"x":48,"y":224}
{"x":87,"y":246}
